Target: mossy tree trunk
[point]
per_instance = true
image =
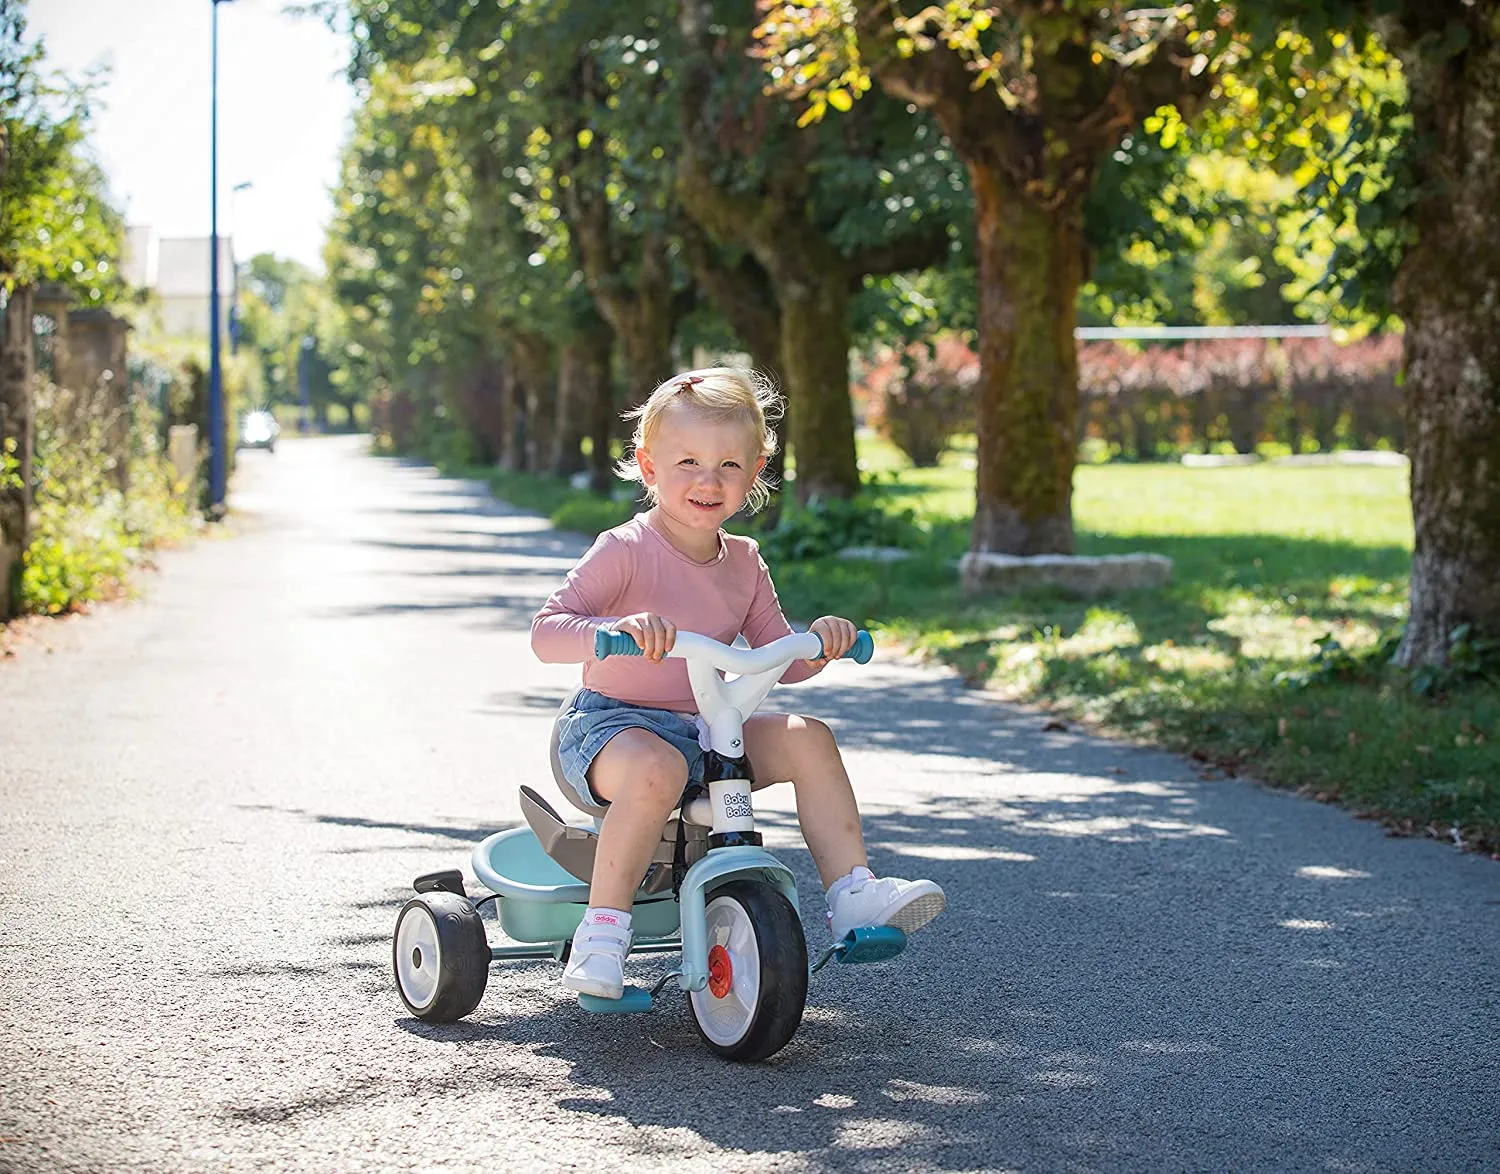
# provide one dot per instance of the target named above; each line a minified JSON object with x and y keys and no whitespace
{"x":815,"y":340}
{"x":642,"y":309}
{"x":1030,"y":269}
{"x":809,"y":282}
{"x":1448,"y":294}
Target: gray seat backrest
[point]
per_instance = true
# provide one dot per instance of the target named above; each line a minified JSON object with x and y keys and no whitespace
{"x":573,"y":848}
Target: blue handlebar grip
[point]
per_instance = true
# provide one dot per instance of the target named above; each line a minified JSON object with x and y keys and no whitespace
{"x":863,"y":650}
{"x":607,"y":643}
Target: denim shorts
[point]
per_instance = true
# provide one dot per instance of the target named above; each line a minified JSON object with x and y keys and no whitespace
{"x":593,"y":719}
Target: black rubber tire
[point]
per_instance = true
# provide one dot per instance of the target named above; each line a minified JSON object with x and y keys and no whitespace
{"x":463,"y":962}
{"x":783,"y":972}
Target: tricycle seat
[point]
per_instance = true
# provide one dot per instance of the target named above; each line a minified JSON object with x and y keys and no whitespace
{"x":573,"y":847}
{"x":540,"y":902}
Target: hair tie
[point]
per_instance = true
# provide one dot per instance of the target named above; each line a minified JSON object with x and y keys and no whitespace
{"x":687,"y":382}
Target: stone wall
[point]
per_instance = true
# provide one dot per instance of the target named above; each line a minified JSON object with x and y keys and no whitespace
{"x":95,"y":366}
{"x":86,"y":352}
{"x":17,"y":424}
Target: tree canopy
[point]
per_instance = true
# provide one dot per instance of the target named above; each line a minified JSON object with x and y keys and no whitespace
{"x":56,"y":220}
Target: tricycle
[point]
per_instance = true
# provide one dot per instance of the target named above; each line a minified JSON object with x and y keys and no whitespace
{"x":712,"y":893}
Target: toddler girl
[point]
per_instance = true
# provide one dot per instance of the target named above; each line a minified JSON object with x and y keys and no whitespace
{"x":630,"y":741}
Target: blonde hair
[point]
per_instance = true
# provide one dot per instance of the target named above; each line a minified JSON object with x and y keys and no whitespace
{"x":720,"y":393}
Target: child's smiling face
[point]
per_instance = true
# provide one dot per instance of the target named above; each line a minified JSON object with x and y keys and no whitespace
{"x":702,"y":468}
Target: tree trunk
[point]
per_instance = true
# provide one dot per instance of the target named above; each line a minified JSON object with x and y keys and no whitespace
{"x":585,"y":394}
{"x":17,"y":425}
{"x":643,"y":321}
{"x":601,"y":422}
{"x":743,"y":295}
{"x":1448,"y":293}
{"x":640,"y":306}
{"x":1030,"y":269}
{"x":477,"y":394}
{"x":512,"y":455}
{"x":533,"y":359}
{"x":810,"y":283}
{"x":809,"y":279}
{"x":815,"y":350}
{"x":567,"y":433}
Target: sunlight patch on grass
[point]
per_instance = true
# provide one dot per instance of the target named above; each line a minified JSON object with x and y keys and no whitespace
{"x":1190,"y":659}
{"x":1263,"y":633}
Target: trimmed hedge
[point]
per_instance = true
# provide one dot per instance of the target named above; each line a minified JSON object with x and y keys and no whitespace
{"x":1311,"y":395}
{"x":1158,"y":402}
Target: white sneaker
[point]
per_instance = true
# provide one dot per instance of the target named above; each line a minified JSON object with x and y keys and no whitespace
{"x":596,"y":965}
{"x":906,"y":905}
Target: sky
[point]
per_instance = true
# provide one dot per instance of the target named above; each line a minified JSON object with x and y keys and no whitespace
{"x":284,"y":108}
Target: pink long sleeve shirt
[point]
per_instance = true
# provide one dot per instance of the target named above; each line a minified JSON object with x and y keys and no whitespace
{"x":634,"y":568}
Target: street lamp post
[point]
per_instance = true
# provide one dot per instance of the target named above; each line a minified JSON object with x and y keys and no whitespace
{"x":217,"y":438}
{"x":236,"y":327}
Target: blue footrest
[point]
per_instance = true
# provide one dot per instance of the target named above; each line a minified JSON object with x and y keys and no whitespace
{"x":634,"y":1001}
{"x":875,"y":943}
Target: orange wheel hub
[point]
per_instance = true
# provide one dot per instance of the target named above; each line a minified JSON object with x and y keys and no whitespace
{"x":720,"y":972}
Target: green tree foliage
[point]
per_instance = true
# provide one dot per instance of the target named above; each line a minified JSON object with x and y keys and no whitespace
{"x":538,"y":150}
{"x":449,"y":248}
{"x":1034,"y":98}
{"x":56,"y":222}
{"x":1260,"y":210}
{"x":1407,"y":196}
{"x":824,"y":211}
{"x":297,"y":330}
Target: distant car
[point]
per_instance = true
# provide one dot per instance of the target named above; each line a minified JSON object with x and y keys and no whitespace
{"x":259,"y":430}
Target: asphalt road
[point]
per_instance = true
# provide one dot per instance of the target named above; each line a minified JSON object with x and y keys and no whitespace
{"x":212,"y":801}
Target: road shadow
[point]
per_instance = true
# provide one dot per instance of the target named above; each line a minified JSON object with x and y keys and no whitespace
{"x":1138,"y":970}
{"x":451,"y":832}
{"x":1119,"y":983}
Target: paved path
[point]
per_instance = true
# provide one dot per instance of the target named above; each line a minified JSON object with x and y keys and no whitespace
{"x":211,"y":802}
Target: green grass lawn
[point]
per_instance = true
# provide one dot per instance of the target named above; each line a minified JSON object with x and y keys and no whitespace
{"x":1267,"y":560}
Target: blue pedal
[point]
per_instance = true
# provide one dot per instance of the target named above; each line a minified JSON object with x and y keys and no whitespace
{"x":632,"y":1002}
{"x":874,"y":943}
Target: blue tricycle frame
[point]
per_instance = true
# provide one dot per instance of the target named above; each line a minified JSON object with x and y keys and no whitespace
{"x":732,"y":914}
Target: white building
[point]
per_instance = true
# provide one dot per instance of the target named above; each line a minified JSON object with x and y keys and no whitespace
{"x":177,"y":270}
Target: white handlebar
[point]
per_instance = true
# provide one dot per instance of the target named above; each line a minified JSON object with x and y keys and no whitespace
{"x":725,"y":705}
{"x":772,"y":657}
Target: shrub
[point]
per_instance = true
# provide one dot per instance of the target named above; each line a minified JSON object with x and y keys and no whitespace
{"x":93,"y":521}
{"x":922,"y":398}
{"x":1153,"y":402}
{"x":173,"y":376}
{"x":584,"y":514}
{"x":1308,"y":394}
{"x":825,"y":526}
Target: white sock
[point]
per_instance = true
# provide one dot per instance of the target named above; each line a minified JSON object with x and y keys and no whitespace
{"x":857,"y":874}
{"x":601,"y":915}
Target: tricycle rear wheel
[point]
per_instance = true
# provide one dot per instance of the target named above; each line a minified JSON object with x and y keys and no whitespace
{"x":441,"y":956}
{"x":757,"y":984}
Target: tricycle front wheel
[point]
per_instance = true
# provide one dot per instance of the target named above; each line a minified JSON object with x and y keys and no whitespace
{"x":441,"y":956}
{"x":757,"y":965}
